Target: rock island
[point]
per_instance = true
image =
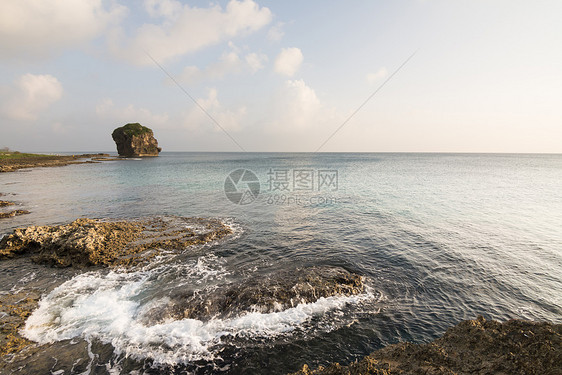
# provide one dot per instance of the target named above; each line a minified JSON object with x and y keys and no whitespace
{"x":134,"y":140}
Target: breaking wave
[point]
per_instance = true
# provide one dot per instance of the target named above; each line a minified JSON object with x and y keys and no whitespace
{"x":112,"y":308}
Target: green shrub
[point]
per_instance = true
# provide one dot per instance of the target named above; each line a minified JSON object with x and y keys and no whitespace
{"x":134,"y":129}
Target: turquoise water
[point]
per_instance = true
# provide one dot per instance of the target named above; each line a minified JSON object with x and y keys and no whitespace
{"x":439,"y":238}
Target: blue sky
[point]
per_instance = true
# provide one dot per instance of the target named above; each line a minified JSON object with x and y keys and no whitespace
{"x":283,"y":76}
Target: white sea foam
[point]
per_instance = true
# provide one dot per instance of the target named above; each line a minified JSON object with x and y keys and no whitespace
{"x":108,"y":308}
{"x":235,"y":227}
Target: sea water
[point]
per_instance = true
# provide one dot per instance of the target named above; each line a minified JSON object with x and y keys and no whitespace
{"x":439,"y":238}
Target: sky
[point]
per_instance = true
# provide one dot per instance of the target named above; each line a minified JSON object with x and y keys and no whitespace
{"x":283,"y":76}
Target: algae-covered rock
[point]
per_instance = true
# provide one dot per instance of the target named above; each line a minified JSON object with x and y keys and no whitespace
{"x":135,"y":140}
{"x":90,"y":242}
{"x":14,"y":310}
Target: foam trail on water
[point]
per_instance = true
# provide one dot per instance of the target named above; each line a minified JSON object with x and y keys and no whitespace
{"x":110,"y":308}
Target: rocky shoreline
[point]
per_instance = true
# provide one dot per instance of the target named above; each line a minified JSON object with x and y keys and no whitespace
{"x":13,"y":164}
{"x":477,"y":346}
{"x":92,"y":243}
{"x":127,"y":244}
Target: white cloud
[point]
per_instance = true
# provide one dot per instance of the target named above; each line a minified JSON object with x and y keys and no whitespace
{"x":30,"y":95}
{"x":303,"y":101}
{"x":230,"y":120}
{"x":34,"y":28}
{"x":162,"y":8}
{"x":276,"y":32}
{"x":184,"y":29}
{"x":229,"y":63}
{"x":297,"y":107}
{"x":378,"y":76}
{"x":288,"y":61}
{"x":256,"y":61}
{"x":191,"y":74}
{"x":107,"y":110}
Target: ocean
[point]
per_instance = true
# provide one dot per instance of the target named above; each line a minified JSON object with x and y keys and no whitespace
{"x":438,"y":238}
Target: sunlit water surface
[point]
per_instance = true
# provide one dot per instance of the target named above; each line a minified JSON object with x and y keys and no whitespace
{"x":439,"y":238}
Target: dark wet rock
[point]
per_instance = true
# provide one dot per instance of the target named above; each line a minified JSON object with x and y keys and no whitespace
{"x":135,"y":140}
{"x":472,"y":347}
{"x":273,"y":292}
{"x":90,"y":242}
{"x":63,"y":357}
{"x":5,"y":215}
{"x":93,"y":156}
{"x":106,"y":158}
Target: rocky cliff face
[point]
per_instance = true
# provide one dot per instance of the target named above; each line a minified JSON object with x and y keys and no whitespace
{"x":135,"y":140}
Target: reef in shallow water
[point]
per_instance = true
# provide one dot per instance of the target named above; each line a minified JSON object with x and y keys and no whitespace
{"x":267,"y":293}
{"x":472,"y":347}
{"x":93,"y":242}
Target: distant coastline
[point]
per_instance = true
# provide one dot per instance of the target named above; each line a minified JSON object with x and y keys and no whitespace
{"x":12,"y":161}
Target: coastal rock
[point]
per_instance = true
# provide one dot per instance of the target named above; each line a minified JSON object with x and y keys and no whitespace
{"x":91,"y":242}
{"x":267,"y":293}
{"x":472,"y":347}
{"x":14,"y":310}
{"x":5,"y":215}
{"x":135,"y":140}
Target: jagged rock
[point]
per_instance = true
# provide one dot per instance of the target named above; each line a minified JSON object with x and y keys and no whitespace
{"x":89,"y":242}
{"x":267,"y":293}
{"x":135,"y":140}
{"x":472,"y":347}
